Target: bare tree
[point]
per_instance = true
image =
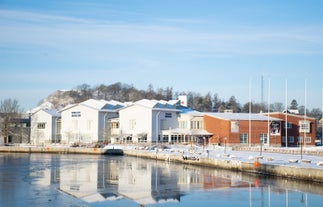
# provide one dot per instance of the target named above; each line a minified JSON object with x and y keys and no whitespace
{"x":9,"y":111}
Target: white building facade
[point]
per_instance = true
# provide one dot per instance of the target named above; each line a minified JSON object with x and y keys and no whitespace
{"x":45,"y":126}
{"x":190,"y":129}
{"x":144,"y":120}
{"x":87,"y":122}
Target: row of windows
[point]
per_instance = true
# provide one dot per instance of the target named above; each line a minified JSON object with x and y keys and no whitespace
{"x":194,"y":125}
{"x":76,"y":114}
{"x":264,"y":139}
{"x":114,"y":125}
{"x":291,"y":139}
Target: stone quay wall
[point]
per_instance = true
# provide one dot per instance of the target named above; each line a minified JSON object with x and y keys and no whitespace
{"x":301,"y":172}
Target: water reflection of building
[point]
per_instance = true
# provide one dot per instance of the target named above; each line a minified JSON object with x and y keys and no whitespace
{"x":91,"y":181}
{"x":146,"y":183}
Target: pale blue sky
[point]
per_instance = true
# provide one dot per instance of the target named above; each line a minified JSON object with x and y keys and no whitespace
{"x":201,"y":46}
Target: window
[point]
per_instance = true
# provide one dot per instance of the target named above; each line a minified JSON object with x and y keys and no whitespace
{"x":76,"y":113}
{"x":307,"y":139}
{"x":182,"y":124}
{"x":291,"y":139}
{"x":41,"y":125}
{"x":114,"y":125}
{"x":196,"y":124}
{"x":304,"y":126}
{"x":263,"y":138}
{"x":288,"y":125}
{"x":168,"y":115}
{"x":165,"y":138}
{"x":243,"y":138}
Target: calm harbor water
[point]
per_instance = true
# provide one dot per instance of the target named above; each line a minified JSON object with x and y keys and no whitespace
{"x":91,"y":180}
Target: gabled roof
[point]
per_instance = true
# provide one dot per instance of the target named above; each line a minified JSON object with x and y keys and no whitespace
{"x":242,"y":116}
{"x":161,"y":104}
{"x":193,"y":113}
{"x":52,"y":112}
{"x":95,"y":104}
{"x":99,"y":105}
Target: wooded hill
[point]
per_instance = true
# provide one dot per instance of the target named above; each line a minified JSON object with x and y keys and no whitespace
{"x":204,"y":103}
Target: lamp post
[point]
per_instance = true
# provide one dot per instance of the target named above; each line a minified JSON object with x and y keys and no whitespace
{"x":225,"y":145}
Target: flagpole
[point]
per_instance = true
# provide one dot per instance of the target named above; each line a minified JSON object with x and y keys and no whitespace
{"x":305,"y":113}
{"x":250,"y":112}
{"x":268,"y":125}
{"x":286,"y":135}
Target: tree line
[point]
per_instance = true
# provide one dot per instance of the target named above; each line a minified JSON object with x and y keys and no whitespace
{"x":10,"y":109}
{"x":210,"y":102}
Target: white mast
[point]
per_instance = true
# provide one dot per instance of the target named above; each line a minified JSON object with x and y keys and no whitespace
{"x":249,"y":137}
{"x":304,"y":141}
{"x":268,"y":123}
{"x":286,"y":135}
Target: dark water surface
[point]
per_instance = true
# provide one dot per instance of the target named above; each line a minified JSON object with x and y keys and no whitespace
{"x":92,"y":180}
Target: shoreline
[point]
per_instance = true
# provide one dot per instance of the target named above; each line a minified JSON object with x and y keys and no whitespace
{"x":301,"y":172}
{"x":298,"y":170}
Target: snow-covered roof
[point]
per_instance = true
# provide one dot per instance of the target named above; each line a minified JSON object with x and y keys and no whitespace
{"x":160,"y":104}
{"x":291,"y":114}
{"x":100,"y":105}
{"x":242,"y":116}
{"x":52,"y":112}
{"x":193,"y":113}
{"x":95,"y":104}
{"x":188,"y":131}
{"x":68,"y":107}
{"x":45,"y":105}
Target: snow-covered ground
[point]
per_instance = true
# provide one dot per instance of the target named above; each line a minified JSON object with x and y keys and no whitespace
{"x":226,"y":153}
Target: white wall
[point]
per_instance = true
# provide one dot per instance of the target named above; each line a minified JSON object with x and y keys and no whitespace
{"x":145,"y":119}
{"x":141,"y":116}
{"x":41,"y":136}
{"x":82,"y":129}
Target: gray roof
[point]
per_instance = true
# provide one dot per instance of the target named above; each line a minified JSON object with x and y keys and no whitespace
{"x":242,"y":116}
{"x":52,"y":112}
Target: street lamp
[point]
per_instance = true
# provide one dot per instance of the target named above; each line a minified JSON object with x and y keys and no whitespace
{"x":225,"y":145}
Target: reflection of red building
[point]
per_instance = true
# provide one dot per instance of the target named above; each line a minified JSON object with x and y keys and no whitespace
{"x":212,"y":182}
{"x":297,"y":127}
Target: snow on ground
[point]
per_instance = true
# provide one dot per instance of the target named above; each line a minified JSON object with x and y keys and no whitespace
{"x":226,"y":153}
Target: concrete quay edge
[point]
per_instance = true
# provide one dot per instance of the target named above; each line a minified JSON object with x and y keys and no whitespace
{"x":299,"y":172}
{"x":50,"y":149}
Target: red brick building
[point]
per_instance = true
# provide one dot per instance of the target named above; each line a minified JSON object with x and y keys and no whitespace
{"x":234,"y":128}
{"x":297,"y":127}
